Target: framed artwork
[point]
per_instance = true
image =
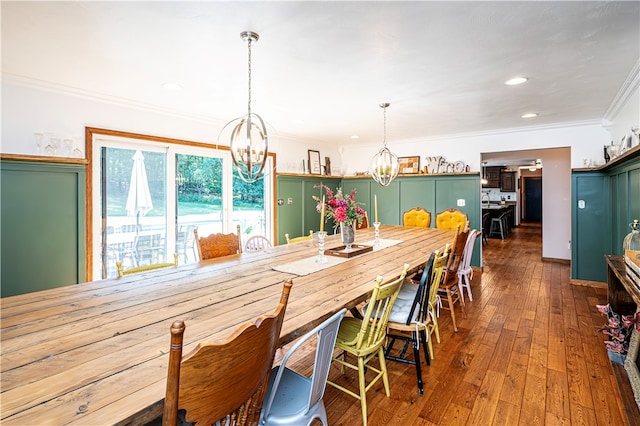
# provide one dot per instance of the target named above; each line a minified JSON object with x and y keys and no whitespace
{"x":409,"y":165}
{"x":314,"y":162}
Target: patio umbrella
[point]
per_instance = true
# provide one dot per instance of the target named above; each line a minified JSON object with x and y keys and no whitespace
{"x":139,"y":198}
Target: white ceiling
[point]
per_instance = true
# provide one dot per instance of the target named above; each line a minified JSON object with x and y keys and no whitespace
{"x":320,"y":69}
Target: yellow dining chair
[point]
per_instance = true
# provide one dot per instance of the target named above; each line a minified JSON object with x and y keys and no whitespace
{"x":364,"y":338}
{"x":223,"y":381}
{"x":417,"y":216}
{"x":450,"y":219}
{"x":299,"y":239}
{"x":145,"y":268}
{"x":217,"y":245}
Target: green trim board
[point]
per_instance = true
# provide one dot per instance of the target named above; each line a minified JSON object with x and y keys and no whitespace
{"x":43,"y":226}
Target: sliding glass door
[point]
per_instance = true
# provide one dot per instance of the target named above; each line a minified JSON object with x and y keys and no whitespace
{"x":152,"y":196}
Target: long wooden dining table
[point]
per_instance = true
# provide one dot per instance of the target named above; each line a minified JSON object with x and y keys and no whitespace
{"x":96,"y":353}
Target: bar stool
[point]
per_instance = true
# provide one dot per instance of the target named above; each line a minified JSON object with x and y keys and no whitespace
{"x":498,"y":226}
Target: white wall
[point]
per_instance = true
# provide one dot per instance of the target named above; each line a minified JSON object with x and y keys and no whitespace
{"x":26,"y":111}
{"x":624,"y":112}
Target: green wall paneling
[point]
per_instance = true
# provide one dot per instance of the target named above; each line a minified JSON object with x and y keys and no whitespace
{"x":289,"y":211}
{"x":299,"y":217}
{"x":42,"y":231}
{"x":388,"y":201}
{"x":363,"y":194}
{"x":451,"y":188}
{"x":418,"y":192}
{"x":591,"y":226}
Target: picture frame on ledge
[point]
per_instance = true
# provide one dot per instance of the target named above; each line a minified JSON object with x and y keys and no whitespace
{"x":315,"y":168}
{"x":409,"y":165}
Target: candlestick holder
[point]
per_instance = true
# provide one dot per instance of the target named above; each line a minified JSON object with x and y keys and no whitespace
{"x":321,"y":258}
{"x":376,"y":240}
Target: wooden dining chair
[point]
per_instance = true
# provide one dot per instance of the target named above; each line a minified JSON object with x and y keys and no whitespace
{"x":411,"y":320}
{"x":450,"y":219}
{"x":364,"y":338}
{"x":217,"y":245}
{"x":145,"y":268}
{"x":417,"y":216}
{"x":299,"y":239}
{"x":257,"y":243}
{"x":448,"y":289}
{"x":227,"y":380}
{"x":364,"y":223}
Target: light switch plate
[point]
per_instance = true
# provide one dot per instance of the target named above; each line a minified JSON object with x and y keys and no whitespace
{"x":581,"y":204}
{"x":461,"y":202}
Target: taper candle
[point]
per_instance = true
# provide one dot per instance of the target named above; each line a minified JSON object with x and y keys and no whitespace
{"x":322,"y":216}
{"x":375,"y":204}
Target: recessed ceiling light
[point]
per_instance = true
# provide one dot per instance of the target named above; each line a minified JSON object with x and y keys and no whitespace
{"x":530,"y":115}
{"x":355,"y":137}
{"x":515,"y":81}
{"x":172,"y":86}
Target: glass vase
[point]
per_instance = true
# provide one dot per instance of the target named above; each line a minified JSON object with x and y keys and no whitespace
{"x":348,"y":234}
{"x":631,"y":250}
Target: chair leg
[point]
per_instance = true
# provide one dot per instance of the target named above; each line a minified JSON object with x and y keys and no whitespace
{"x":383,"y":367}
{"x":423,"y":338}
{"x":437,"y":329}
{"x":468,"y":285}
{"x":452,"y":310}
{"x":416,"y":356}
{"x":363,"y":389}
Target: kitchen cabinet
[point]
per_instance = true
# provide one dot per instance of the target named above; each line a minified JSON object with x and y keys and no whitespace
{"x":507,"y":182}
{"x":492,"y":174}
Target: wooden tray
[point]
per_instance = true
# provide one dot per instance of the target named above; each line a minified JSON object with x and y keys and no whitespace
{"x":356,"y":250}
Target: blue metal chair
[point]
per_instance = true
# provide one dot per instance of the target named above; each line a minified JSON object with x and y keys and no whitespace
{"x":293,"y":399}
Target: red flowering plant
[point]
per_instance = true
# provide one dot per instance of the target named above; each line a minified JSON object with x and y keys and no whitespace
{"x":618,"y":328}
{"x":340,"y":207}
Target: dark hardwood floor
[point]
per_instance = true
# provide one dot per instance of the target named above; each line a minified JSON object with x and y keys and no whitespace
{"x":528,"y":353}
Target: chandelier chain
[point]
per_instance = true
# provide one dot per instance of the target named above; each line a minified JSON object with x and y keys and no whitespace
{"x":249,"y":79}
{"x":384,"y":140}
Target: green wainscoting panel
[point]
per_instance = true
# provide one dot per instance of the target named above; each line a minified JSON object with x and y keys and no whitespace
{"x":42,"y":230}
{"x":591,"y":226}
{"x":418,"y":192}
{"x":388,"y":201}
{"x":297,"y":215}
{"x":634,"y":195}
{"x":289,"y":208}
{"x":363,"y":194}
{"x":450,"y":189}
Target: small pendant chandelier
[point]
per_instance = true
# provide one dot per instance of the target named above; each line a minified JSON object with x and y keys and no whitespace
{"x":384,"y":165}
{"x":249,"y":142}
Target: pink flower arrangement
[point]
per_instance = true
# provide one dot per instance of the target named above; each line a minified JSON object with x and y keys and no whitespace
{"x":618,"y":328}
{"x":339,"y":207}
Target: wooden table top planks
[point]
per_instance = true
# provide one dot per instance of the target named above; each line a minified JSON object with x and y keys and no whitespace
{"x":97,"y":353}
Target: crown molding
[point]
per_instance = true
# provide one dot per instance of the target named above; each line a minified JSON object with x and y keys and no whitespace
{"x":629,"y":87}
{"x":62,"y":89}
